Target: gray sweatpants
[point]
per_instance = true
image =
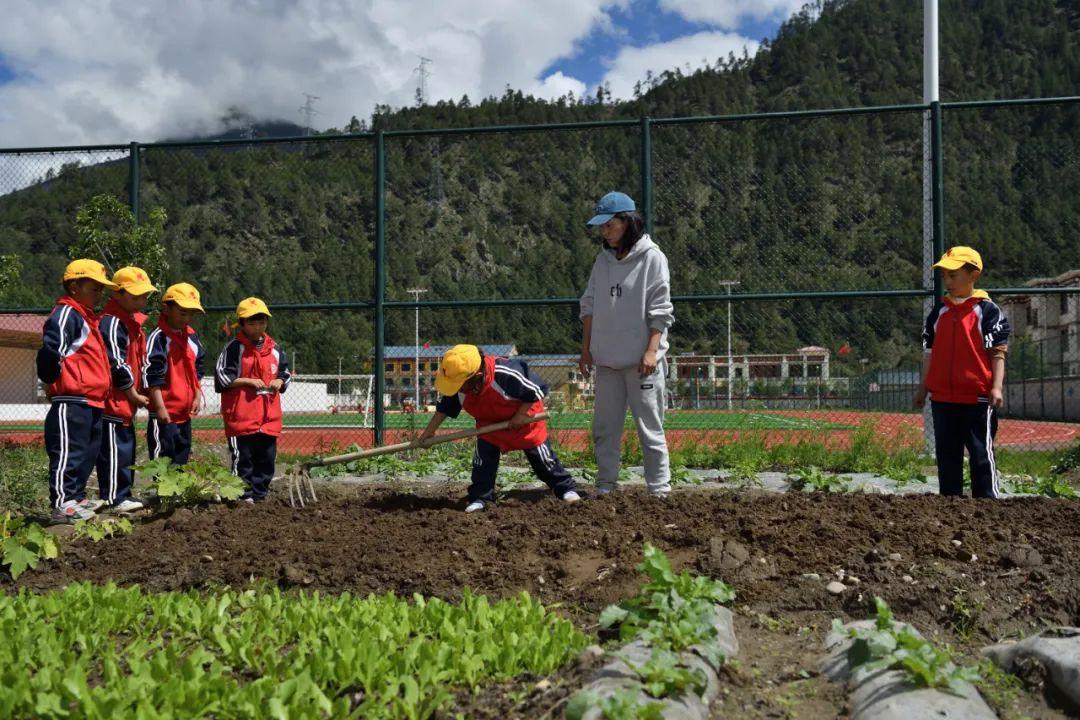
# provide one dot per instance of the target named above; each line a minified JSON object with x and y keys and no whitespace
{"x":615,"y":390}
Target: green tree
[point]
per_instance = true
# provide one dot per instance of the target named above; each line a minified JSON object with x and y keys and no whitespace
{"x":105,"y":228}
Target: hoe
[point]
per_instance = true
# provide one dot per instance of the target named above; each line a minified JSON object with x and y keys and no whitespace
{"x":302,"y":489}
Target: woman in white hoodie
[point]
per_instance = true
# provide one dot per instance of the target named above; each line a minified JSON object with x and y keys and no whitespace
{"x":626,"y":311}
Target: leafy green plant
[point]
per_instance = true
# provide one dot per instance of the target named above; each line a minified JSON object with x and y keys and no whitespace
{"x":1047,"y":486}
{"x":621,"y":705}
{"x":200,"y":481}
{"x":888,"y":646}
{"x":812,"y":479}
{"x":671,"y":611}
{"x":681,"y":475}
{"x":100,"y":528}
{"x":663,"y":675}
{"x":25,"y":544}
{"x":102,"y":651}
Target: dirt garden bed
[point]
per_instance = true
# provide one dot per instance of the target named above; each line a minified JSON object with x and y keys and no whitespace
{"x":968,"y":573}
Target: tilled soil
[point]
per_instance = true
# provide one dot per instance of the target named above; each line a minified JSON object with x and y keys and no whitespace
{"x":969,"y":572}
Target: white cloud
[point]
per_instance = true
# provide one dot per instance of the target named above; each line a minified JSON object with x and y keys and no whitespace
{"x":557,"y":85}
{"x":106,"y":72}
{"x":729,"y":14}
{"x":632,"y":64}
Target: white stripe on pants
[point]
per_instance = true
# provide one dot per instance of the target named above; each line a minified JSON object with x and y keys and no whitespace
{"x":61,"y":466}
{"x":615,"y":391}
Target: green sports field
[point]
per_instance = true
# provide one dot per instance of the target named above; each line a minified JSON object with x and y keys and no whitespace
{"x":673,"y":420}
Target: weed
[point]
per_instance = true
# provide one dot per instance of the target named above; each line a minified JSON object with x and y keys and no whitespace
{"x":1068,"y":460}
{"x":965,"y":612}
{"x":100,"y":528}
{"x":1000,"y":688}
{"x":191,"y":484}
{"x":24,"y":544}
{"x":24,"y":473}
{"x":1046,"y":486}
{"x":812,"y":479}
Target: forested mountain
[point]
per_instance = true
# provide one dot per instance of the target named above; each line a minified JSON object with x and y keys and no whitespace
{"x":805,"y":204}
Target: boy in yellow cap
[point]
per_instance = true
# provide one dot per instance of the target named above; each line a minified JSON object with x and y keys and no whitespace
{"x":494,"y":389}
{"x":75,"y":369}
{"x":251,"y":373}
{"x":965,"y":341}
{"x":173,"y":374}
{"x":125,"y":344}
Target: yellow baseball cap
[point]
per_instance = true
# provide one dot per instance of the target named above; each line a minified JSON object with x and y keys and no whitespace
{"x":252,"y":306}
{"x":133,"y":280}
{"x":458,"y":364}
{"x":185,"y":295}
{"x":959,"y":256}
{"x":90,"y":270}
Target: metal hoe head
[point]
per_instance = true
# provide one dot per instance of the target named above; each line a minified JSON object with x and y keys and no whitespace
{"x":301,"y":489}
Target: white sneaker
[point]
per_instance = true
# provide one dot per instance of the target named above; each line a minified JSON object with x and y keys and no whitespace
{"x":127,"y":506}
{"x":474,"y":506}
{"x":94,"y":505}
{"x":71,"y":511}
{"x":570,"y":496}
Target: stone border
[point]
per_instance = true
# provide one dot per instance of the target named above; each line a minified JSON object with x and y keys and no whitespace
{"x":886,"y":694}
{"x":616,"y":675}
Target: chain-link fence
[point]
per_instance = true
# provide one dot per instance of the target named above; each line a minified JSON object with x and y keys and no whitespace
{"x":796,"y":245}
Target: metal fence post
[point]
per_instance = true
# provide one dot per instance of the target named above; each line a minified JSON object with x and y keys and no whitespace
{"x":1042,"y":382}
{"x":646,"y":173}
{"x":380,"y":284}
{"x":937,"y":182}
{"x":1061,"y":371}
{"x":133,"y":180}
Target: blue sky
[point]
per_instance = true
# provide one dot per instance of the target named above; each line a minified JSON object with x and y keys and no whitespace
{"x":645,"y":24}
{"x":72,"y":73}
{"x":6,"y":73}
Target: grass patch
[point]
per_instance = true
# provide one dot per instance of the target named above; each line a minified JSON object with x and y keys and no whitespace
{"x":24,"y":480}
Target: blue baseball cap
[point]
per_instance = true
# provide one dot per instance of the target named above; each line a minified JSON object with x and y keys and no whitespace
{"x":613,"y":202}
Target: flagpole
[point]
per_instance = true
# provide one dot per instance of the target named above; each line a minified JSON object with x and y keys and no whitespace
{"x":930,"y":97}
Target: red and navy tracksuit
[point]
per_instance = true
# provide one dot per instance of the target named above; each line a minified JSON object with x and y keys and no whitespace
{"x":125,"y":346}
{"x":174,"y":363}
{"x":252,"y":416}
{"x":73,"y":364}
{"x":507,"y":384}
{"x":960,"y":337}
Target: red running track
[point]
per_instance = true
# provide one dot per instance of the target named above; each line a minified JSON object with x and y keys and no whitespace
{"x":903,"y":429}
